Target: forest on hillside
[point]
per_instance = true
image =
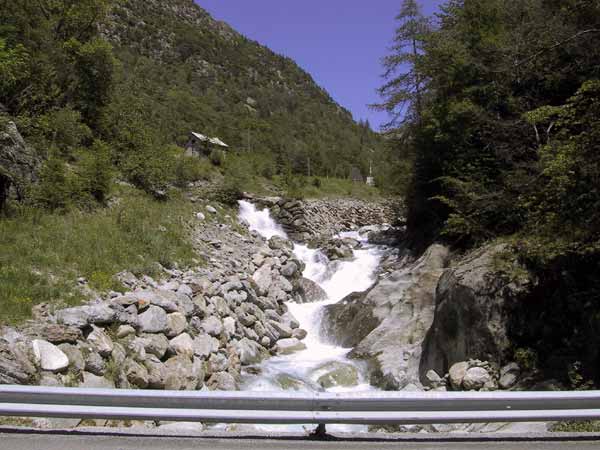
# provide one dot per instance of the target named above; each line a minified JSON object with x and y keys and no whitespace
{"x":107,"y":89}
{"x":498,"y":102}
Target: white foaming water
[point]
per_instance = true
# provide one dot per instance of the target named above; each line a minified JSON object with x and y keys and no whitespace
{"x":299,"y":370}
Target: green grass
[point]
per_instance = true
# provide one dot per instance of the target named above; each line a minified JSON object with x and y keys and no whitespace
{"x":321,"y":187}
{"x":42,"y":254}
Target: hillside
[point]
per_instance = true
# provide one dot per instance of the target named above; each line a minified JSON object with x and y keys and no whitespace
{"x":184,"y":70}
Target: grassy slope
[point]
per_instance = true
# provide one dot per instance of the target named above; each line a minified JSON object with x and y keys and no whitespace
{"x":42,"y":255}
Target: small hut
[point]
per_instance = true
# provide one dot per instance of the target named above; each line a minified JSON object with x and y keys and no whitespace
{"x":201,"y":145}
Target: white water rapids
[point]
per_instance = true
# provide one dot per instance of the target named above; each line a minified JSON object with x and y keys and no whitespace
{"x":299,"y":369}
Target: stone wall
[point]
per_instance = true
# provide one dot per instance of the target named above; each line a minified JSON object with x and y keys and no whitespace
{"x":304,"y":220}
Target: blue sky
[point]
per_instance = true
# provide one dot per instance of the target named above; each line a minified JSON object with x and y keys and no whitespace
{"x":339,"y":42}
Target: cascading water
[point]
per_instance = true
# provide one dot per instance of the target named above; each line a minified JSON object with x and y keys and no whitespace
{"x":301,"y":370}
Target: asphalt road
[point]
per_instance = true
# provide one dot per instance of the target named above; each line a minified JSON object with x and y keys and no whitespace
{"x":46,"y":441}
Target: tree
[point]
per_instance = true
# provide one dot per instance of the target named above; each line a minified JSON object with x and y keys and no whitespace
{"x":403,"y":92}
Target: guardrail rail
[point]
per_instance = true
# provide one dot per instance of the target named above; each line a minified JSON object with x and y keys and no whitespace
{"x":382,"y":408}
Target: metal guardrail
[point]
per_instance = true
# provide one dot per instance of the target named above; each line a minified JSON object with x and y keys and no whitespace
{"x":299,"y":408}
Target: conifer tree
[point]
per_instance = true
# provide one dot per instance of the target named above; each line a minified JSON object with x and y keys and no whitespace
{"x":402,"y":93}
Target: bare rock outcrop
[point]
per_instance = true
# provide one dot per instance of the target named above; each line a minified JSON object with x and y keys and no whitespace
{"x":387,"y":324}
{"x":18,"y":163}
{"x":474,"y":303}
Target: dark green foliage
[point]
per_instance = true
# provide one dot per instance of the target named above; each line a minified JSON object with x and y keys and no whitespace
{"x":506,"y":146}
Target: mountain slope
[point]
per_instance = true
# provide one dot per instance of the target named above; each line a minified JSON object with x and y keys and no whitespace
{"x":188,"y":71}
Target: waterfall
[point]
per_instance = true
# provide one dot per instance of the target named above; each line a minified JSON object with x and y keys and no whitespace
{"x":300,"y":370}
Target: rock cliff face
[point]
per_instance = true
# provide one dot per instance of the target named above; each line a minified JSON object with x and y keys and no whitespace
{"x":18,"y":163}
{"x":387,"y":324}
{"x":474,"y":302}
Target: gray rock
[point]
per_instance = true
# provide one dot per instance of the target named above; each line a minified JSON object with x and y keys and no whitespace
{"x":153,"y":320}
{"x":75,"y":317}
{"x":263,"y":279}
{"x":433,"y":379}
{"x":136,"y":374}
{"x":476,"y":378}
{"x":474,"y":300}
{"x":154,"y":344}
{"x":76,"y":360}
{"x":212,"y":325}
{"x":183,"y":345}
{"x":222,"y":381}
{"x":229,"y":325}
{"x":283,"y":330}
{"x":183,"y":374}
{"x":16,"y":365}
{"x":211,"y":209}
{"x":176,"y":324}
{"x":509,"y":375}
{"x":204,"y":345}
{"x":387,"y":324}
{"x":125,"y":330}
{"x":279,"y":243}
{"x":157,"y":373}
{"x":95,"y":364}
{"x":289,"y":269}
{"x":59,"y":334}
{"x":101,"y":341}
{"x":217,"y":363}
{"x":457,"y":373}
{"x":92,"y":381}
{"x":49,"y":356}
{"x":19,"y":164}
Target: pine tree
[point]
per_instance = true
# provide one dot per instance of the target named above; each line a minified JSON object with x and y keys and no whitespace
{"x":402,"y":93}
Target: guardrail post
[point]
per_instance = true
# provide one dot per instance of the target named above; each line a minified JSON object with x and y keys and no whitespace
{"x":320,"y":432}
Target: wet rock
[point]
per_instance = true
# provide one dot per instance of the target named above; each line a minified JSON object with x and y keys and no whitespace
{"x":153,"y":320}
{"x":249,"y":351}
{"x":299,"y":333}
{"x":289,"y":269}
{"x":282,"y":330}
{"x":49,"y":356}
{"x":289,"y":345}
{"x":309,"y":291}
{"x":336,"y":373}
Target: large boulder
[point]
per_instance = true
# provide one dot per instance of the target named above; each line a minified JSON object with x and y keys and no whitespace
{"x":474,"y":301}
{"x":388,"y":323}
{"x":19,"y":164}
{"x":49,"y":356}
{"x":16,"y":364}
{"x":335,"y":373}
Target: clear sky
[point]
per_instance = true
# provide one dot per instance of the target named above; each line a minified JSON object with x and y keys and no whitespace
{"x":339,"y":42}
